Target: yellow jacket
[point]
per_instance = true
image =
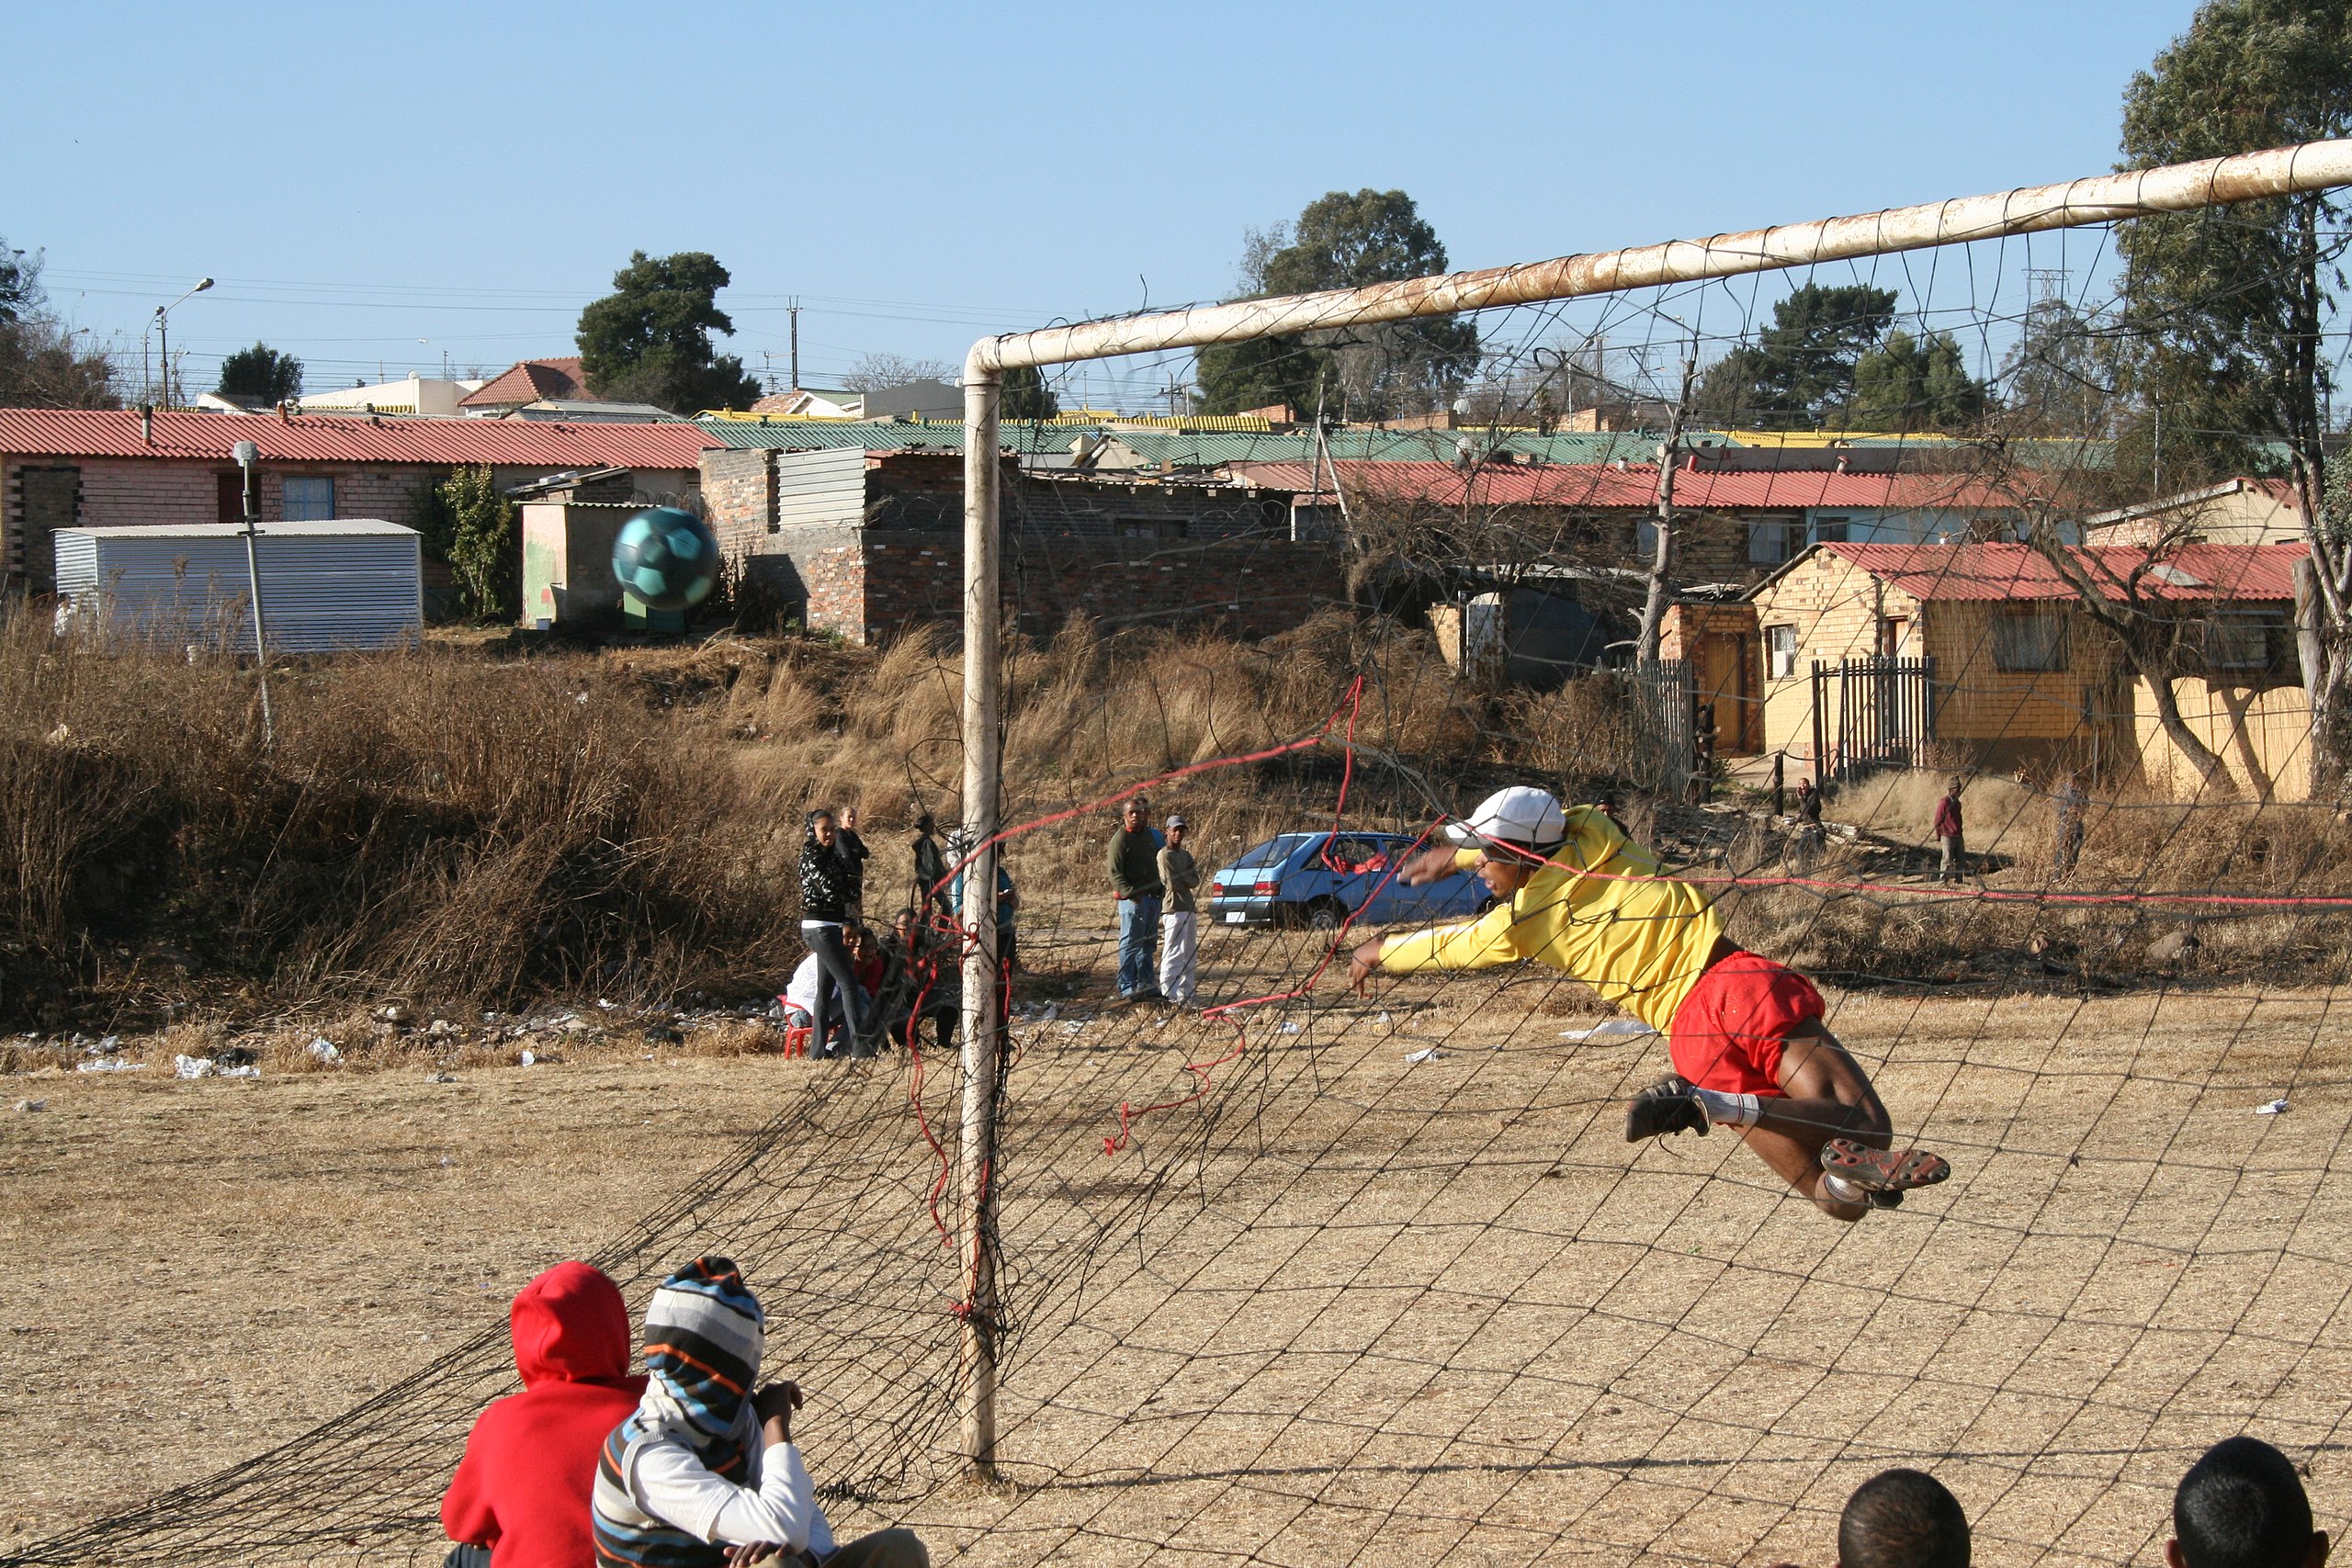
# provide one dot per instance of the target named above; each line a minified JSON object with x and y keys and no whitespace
{"x":1638,"y":938}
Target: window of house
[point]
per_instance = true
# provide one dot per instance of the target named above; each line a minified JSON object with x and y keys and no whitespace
{"x":2239,"y":639}
{"x":1780,"y":652}
{"x":2029,"y":636}
{"x":1772,"y":541}
{"x":307,"y":498}
{"x":1829,"y":530}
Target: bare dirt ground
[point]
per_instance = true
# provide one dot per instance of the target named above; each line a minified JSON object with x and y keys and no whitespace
{"x":1345,"y":1307}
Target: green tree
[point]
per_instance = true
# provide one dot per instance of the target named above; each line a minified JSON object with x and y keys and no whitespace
{"x":485,"y":554}
{"x":1027,"y":395}
{"x":2226,"y":308}
{"x":2229,"y":309}
{"x":261,"y":374}
{"x":1800,"y":370}
{"x":1344,"y":240}
{"x":649,"y":340}
{"x":1906,"y":384}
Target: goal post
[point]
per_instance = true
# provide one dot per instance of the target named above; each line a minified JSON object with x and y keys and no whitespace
{"x":2087,"y":202}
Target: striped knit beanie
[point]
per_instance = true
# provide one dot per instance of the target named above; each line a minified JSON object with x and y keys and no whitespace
{"x":703,"y":1336}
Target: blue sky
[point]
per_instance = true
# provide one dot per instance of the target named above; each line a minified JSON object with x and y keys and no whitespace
{"x":360,"y":178}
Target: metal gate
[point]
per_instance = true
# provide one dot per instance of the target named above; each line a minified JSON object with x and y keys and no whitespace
{"x":1872,"y":713}
{"x":1662,"y":704}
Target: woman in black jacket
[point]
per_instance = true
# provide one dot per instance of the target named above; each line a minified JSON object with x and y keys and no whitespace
{"x":827,"y":898}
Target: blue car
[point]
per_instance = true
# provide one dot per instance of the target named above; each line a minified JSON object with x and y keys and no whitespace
{"x":1317,"y":880}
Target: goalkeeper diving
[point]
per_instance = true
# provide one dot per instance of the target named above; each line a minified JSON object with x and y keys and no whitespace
{"x":1745,"y":1034}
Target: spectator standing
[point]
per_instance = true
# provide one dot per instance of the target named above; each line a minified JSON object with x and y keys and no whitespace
{"x":1902,"y":1519}
{"x":2070,"y":803}
{"x":1179,"y":921}
{"x":1949,"y":832}
{"x":2243,"y":1506}
{"x":931,"y":868}
{"x":1134,"y":876}
{"x":521,"y":1489}
{"x":855,"y":854}
{"x":825,"y":895}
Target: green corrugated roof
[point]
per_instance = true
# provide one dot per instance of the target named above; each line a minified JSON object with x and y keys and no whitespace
{"x":1211,"y":449}
{"x":1203,"y":448}
{"x":882,"y":435}
{"x":2032,"y":451}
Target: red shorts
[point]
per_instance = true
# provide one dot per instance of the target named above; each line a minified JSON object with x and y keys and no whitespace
{"x":1729,"y":1032}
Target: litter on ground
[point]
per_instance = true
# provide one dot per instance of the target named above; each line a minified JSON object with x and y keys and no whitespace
{"x":1615,"y":1026}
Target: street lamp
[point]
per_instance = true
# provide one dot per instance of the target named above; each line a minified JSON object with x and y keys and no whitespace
{"x":164,"y":333}
{"x":247,"y":455}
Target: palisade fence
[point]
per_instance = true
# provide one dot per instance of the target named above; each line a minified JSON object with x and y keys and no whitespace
{"x":1872,"y":713}
{"x":1662,"y":699}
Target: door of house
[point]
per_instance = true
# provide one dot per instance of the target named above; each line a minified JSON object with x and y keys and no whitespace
{"x":1724,"y":662}
{"x":51,"y":500}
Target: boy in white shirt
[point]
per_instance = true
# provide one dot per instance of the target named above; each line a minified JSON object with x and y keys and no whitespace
{"x":706,"y":1475}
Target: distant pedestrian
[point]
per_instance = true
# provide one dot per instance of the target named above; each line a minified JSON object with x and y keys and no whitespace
{"x":1809,"y":835}
{"x":1133,"y":864}
{"x":2071,"y":802}
{"x":1179,"y":921}
{"x":931,"y":868}
{"x":1949,"y":832}
{"x":825,"y":892}
{"x":855,"y":855}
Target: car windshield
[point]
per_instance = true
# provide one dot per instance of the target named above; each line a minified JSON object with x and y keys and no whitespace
{"x":1271,"y":852}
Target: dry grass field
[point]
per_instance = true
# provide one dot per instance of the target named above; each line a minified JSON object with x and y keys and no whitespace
{"x":1344,"y":1307}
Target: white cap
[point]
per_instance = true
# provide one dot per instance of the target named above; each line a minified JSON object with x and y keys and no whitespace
{"x":1522,"y":814}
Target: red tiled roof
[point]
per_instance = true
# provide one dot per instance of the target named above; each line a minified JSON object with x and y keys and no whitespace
{"x":528,"y":382}
{"x":1604,"y":486}
{"x":343,"y":438}
{"x":2020,"y":571}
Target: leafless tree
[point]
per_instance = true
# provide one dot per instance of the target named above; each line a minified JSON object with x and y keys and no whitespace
{"x":877,"y":372}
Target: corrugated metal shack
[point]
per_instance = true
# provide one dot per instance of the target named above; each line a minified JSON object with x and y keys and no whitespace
{"x":328,"y":587}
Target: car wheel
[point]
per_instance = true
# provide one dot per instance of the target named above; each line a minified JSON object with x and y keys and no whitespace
{"x":1325,"y":915}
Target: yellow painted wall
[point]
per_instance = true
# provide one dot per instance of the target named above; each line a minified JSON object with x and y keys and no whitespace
{"x":1997,"y":714}
{"x":2264,"y":735}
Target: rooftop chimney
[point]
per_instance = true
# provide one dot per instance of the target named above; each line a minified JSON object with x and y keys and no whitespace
{"x":147,"y":424}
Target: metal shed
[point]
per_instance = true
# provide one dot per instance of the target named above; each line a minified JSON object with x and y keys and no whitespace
{"x":327,"y":587}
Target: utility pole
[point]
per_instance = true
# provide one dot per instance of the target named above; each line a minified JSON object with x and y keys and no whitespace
{"x":793,"y":310}
{"x":1670,"y":457}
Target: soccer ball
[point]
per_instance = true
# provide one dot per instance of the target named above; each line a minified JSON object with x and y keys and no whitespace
{"x":666,"y":557}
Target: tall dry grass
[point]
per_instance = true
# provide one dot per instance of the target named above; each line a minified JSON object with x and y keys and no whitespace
{"x":437,"y":825}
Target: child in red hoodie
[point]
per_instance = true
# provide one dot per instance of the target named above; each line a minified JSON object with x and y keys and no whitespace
{"x":521,"y":1489}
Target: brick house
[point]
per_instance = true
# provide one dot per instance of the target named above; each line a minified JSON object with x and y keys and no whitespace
{"x":84,"y":467}
{"x":870,"y":544}
{"x":1980,"y":656}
